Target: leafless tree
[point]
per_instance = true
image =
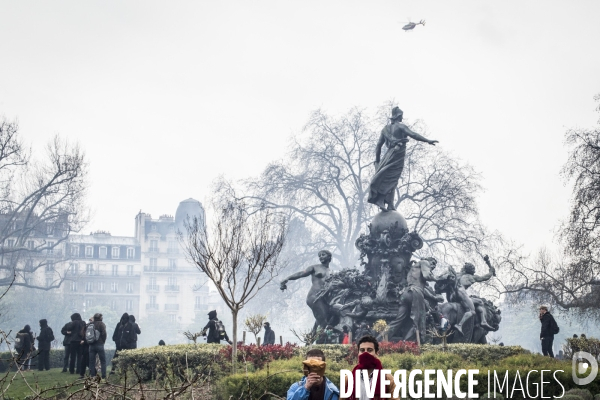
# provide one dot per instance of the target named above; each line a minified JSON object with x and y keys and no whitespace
{"x":324,"y":181}
{"x":41,"y":204}
{"x":570,"y":279}
{"x":240,"y":254}
{"x":254,"y":323}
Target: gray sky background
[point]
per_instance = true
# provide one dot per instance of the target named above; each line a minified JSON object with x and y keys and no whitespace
{"x":165,"y":96}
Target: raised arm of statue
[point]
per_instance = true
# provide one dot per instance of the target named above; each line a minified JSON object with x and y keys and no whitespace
{"x":418,"y":137}
{"x":488,"y":276}
{"x":302,"y":274}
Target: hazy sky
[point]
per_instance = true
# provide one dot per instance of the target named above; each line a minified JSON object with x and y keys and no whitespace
{"x":165,"y":96}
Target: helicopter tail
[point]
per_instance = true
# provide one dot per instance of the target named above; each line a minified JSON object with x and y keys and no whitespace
{"x":422,"y":22}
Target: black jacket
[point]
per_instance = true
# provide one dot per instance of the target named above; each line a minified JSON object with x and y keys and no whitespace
{"x":27,"y":341}
{"x":211,"y":337}
{"x":269,"y":337}
{"x":135,"y":328}
{"x":45,"y":337}
{"x":123,"y":336}
{"x":99,"y":325}
{"x":75,"y":327}
{"x":548,"y":323}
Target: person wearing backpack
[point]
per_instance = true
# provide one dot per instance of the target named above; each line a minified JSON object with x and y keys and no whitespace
{"x":216,"y":329}
{"x":121,"y":336}
{"x":24,"y":347}
{"x":44,"y":339}
{"x":97,"y":345}
{"x":90,"y":335}
{"x":549,"y":329}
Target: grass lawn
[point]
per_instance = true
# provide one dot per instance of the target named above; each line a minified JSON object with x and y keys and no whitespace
{"x":18,"y":388}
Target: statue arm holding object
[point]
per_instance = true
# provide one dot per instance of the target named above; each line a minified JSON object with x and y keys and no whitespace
{"x":302,"y":274}
{"x":418,"y":137}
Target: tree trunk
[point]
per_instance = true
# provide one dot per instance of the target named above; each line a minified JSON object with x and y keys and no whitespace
{"x":234,"y":315}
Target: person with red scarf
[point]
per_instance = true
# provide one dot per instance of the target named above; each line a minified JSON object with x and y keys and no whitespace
{"x":368,"y":347}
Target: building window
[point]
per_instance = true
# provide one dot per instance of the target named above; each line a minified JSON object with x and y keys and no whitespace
{"x":115,"y":252}
{"x":10,"y":243}
{"x":74,"y":250}
{"x":50,"y":247}
{"x":130,"y":253}
{"x":129,"y":287}
{"x":89,"y":269}
{"x":50,"y":266}
{"x":114,"y":287}
{"x":128,"y":305}
{"x":101,"y":287}
{"x":30,"y":244}
{"x":74,"y":269}
{"x":172,"y":317}
{"x":153,"y":246}
{"x":89,"y":251}
{"x":153,"y":227}
{"x":152,"y":299}
{"x":49,"y":229}
{"x":89,"y":303}
{"x":172,"y":263}
{"x":198,"y":304}
{"x":115,"y":270}
{"x":130,"y":270}
{"x":49,"y":282}
{"x":102,"y":252}
{"x":172,"y":281}
{"x":113,"y":305}
{"x":73,"y":286}
{"x":89,"y":286}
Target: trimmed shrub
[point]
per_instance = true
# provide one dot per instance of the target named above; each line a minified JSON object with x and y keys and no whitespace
{"x":482,"y":355}
{"x":589,"y":345}
{"x":259,"y":355}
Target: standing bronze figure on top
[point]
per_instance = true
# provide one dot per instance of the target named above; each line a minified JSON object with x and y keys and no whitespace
{"x":388,"y":170}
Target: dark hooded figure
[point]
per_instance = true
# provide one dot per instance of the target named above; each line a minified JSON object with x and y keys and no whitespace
{"x":269,"y":337}
{"x":135,"y":328}
{"x":24,"y":347}
{"x":74,"y":329}
{"x":121,"y":336}
{"x":214,"y":336}
{"x":44,"y":339}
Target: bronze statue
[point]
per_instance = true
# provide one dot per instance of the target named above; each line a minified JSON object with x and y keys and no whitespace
{"x":415,"y":298}
{"x":319,"y":273}
{"x":389,"y":168}
{"x":466,"y":278}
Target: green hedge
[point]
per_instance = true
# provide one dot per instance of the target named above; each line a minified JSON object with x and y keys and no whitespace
{"x":152,"y":362}
{"x":56,"y":359}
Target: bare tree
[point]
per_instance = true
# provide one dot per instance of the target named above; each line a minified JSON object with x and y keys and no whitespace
{"x":324,"y":181}
{"x":240,"y":254}
{"x":570,"y":279}
{"x":254,"y":323}
{"x":41,"y":204}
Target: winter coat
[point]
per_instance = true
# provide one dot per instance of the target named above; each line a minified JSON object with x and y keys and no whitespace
{"x":123,"y":335}
{"x":27,"y":340}
{"x":45,"y":337}
{"x":298,"y":391}
{"x":548,"y":323}
{"x":269,"y":337}
{"x":99,"y":325}
{"x":135,"y":327}
{"x":212,"y":329}
{"x":75,"y":327}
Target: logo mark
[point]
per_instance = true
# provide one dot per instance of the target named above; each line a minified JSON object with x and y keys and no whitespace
{"x":582,"y":361}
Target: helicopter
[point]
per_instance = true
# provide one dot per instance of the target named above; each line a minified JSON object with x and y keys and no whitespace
{"x":411,"y":25}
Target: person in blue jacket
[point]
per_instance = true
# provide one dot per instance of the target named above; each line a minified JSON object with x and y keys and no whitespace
{"x":313,"y":386}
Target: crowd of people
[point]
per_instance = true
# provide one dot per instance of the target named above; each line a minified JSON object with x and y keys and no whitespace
{"x":83,"y":344}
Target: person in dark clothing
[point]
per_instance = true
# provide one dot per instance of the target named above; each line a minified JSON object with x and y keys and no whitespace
{"x":85,"y":351}
{"x":122,"y":336}
{"x":73,"y":329}
{"x":269,"y":337}
{"x":549,"y":329}
{"x":24,"y":347}
{"x":135,"y":328}
{"x":44,"y":339}
{"x":97,"y":348}
{"x":214,"y":335}
{"x":161,"y":343}
{"x":66,"y":342}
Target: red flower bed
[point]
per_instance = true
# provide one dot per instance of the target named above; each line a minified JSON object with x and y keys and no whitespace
{"x":258,"y":356}
{"x":387,"y":348}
